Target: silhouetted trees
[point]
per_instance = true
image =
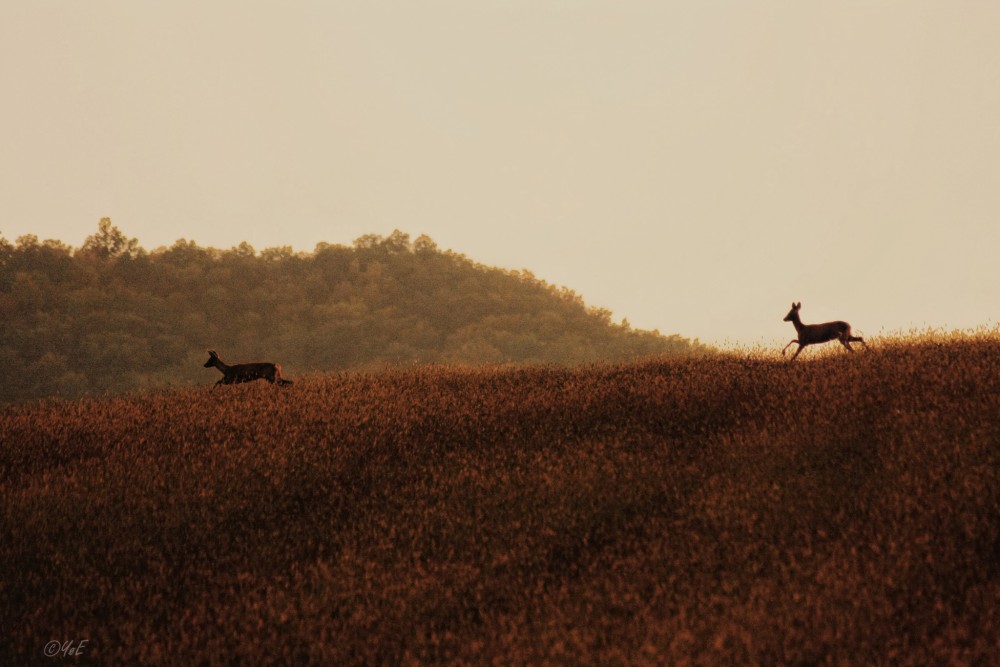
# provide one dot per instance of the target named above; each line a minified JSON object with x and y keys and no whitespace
{"x":111,"y":316}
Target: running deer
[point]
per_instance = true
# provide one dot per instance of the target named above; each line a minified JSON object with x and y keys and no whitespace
{"x":238,"y":373}
{"x":810,"y":334}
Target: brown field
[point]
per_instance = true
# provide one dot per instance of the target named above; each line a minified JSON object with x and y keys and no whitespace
{"x":726,"y":509}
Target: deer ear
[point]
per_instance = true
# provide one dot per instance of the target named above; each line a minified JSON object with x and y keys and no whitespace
{"x":798,"y":305}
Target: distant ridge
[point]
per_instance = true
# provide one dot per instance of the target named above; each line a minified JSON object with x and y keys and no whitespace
{"x":110,"y":316}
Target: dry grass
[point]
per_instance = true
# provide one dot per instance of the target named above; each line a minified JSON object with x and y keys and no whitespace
{"x":718,"y":510}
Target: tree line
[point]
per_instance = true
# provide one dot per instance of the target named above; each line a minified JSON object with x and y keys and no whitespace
{"x":110,"y":316}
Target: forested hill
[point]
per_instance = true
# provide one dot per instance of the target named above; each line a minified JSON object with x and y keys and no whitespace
{"x":110,"y":316}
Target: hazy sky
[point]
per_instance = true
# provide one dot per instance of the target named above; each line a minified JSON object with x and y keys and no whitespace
{"x":693,"y":166}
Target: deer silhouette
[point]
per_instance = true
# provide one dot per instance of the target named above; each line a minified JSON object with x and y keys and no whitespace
{"x":811,"y":334}
{"x":238,"y":373}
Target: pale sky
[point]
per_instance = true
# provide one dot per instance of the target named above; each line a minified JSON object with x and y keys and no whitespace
{"x":691,"y":166}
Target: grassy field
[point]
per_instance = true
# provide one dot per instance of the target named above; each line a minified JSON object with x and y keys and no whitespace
{"x":727,"y":509}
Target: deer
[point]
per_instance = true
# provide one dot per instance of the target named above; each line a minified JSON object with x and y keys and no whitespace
{"x":238,"y":373}
{"x":810,"y":334}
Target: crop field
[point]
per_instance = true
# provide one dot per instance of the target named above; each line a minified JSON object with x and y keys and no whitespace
{"x":721,"y":509}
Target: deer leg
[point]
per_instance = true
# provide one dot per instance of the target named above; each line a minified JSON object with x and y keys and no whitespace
{"x":858,"y":339}
{"x":801,"y":346}
{"x":845,"y":341}
{"x":794,"y":340}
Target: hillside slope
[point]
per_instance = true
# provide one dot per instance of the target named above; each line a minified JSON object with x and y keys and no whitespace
{"x":110,"y":316}
{"x":715,"y":510}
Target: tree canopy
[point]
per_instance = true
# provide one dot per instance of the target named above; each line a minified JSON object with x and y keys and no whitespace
{"x":111,"y":316}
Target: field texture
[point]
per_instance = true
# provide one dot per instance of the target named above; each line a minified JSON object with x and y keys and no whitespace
{"x":727,"y":509}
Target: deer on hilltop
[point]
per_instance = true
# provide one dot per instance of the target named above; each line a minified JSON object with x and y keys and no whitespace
{"x":238,"y":373}
{"x":810,"y":334}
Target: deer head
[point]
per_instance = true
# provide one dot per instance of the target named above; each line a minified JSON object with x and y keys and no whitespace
{"x":793,"y":312}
